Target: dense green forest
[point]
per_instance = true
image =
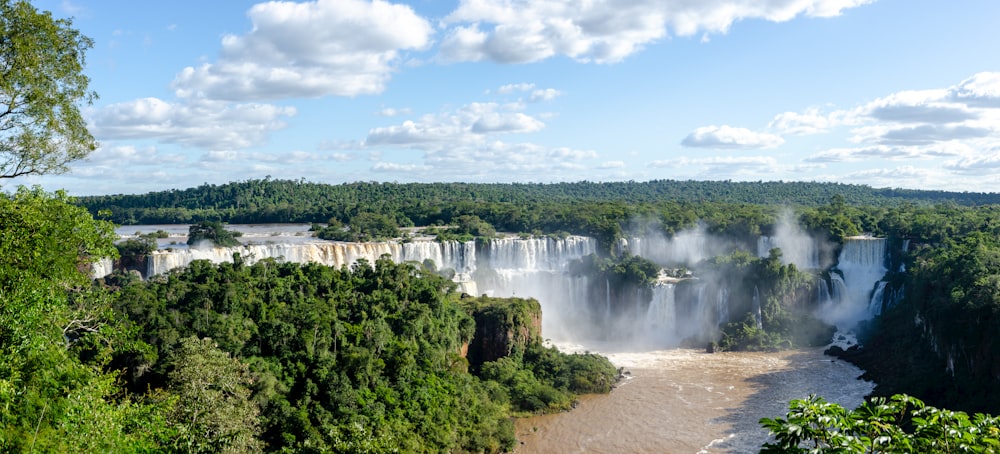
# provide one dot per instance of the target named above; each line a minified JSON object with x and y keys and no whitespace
{"x":273,"y":356}
{"x":942,"y":278}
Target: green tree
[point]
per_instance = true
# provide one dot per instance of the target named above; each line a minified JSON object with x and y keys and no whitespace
{"x":214,"y":412}
{"x":41,"y":84}
{"x":50,"y":399}
{"x":212,"y":231}
{"x":898,"y":424}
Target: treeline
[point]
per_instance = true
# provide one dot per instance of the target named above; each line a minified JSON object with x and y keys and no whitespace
{"x":267,"y":200}
{"x":268,"y":357}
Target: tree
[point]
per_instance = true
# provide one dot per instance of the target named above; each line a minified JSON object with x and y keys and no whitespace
{"x":214,"y":412}
{"x":50,"y":399}
{"x":212,"y":231}
{"x":898,"y":424}
{"x":41,"y":84}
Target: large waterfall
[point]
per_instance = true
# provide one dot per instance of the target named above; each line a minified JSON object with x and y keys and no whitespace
{"x":576,"y":308}
{"x":458,"y":256}
{"x":855,"y":281}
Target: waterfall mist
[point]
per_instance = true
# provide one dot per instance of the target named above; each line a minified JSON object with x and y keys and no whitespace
{"x":797,"y":246}
{"x":679,"y":308}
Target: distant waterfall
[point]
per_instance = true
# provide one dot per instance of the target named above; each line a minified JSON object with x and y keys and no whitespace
{"x":661,"y":316}
{"x":758,"y":317}
{"x":862,"y":265}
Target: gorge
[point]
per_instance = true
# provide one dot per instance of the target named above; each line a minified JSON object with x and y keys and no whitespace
{"x":658,"y":331}
{"x":577,"y":307}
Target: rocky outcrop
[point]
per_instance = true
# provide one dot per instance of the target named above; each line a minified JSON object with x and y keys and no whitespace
{"x":504,"y":326}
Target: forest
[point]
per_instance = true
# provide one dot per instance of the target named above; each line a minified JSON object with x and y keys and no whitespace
{"x":945,"y":277}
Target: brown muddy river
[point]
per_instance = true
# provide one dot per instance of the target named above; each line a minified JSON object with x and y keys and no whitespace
{"x":689,"y":401}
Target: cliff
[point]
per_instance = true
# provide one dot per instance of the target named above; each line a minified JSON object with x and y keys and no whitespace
{"x":504,"y":326}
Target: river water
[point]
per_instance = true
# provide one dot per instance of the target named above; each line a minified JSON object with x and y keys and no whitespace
{"x":689,"y":401}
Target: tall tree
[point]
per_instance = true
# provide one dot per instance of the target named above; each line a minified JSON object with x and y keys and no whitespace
{"x":41,"y":86}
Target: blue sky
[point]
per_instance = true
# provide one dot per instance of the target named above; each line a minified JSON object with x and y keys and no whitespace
{"x":889,"y":93}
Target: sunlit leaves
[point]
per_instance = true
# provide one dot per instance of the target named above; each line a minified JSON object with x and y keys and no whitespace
{"x":898,"y":424}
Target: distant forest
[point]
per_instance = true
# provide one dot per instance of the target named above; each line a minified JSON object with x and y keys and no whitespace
{"x":268,"y":200}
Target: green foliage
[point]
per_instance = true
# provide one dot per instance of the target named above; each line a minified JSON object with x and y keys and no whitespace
{"x":57,"y":339}
{"x":898,"y":424}
{"x":784,"y":298}
{"x":363,"y":227}
{"x":357,"y":359}
{"x":213,"y":411}
{"x":214,"y":232}
{"x":41,"y":83}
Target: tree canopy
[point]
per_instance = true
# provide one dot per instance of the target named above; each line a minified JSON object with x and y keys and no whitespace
{"x":41,"y":84}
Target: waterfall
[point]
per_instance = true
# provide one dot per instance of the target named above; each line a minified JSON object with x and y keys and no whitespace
{"x":101,"y":268}
{"x":661,"y":316}
{"x":822,"y":293}
{"x":862,"y":265}
{"x":722,"y":307}
{"x":758,"y":317}
{"x":875,"y":305}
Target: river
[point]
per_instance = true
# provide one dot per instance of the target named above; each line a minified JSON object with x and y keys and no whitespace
{"x":689,"y":401}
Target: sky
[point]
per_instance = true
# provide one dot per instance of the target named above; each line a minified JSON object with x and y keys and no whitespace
{"x":887,"y":93}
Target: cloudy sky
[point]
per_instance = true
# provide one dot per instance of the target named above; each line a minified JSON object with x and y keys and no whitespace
{"x":889,"y":93}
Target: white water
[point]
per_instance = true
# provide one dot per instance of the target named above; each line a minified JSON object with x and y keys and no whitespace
{"x":862,"y":264}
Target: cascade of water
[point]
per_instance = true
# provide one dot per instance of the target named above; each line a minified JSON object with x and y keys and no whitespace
{"x":722,"y":306}
{"x":822,"y":293}
{"x":862,"y":264}
{"x":758,"y":317}
{"x":607,"y":299}
{"x":875,"y":305}
{"x":661,"y":316}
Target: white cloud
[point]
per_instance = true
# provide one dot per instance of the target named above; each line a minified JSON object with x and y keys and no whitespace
{"x":602,"y":32}
{"x":512,"y":88}
{"x":400,"y":168}
{"x":393,"y":112}
{"x":980,"y":90}
{"x":130,"y":155}
{"x":888,"y":152}
{"x":547,"y":94}
{"x":809,"y":122}
{"x":312,"y":49}
{"x":469,"y":124}
{"x":728,"y":137}
{"x":612,"y":165}
{"x":203,"y":124}
{"x":725,"y":167}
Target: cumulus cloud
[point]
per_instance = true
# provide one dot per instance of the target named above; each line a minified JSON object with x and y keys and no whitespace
{"x":724,"y":166}
{"x":465,"y":144}
{"x":728,"y":137}
{"x":312,"y":49}
{"x":612,"y":165}
{"x":983,"y":163}
{"x":812,"y":121}
{"x":393,"y":112}
{"x":888,"y":152}
{"x":199,"y":123}
{"x":601,"y":32}
{"x":468,"y":124}
{"x":980,"y":90}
